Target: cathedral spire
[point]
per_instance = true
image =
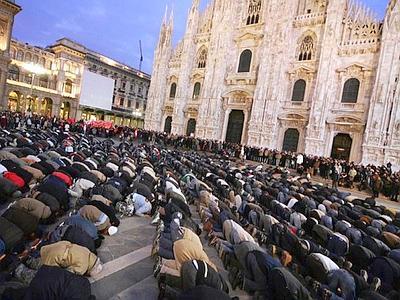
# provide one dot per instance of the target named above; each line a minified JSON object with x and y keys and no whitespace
{"x":193,"y":17}
{"x":166,"y":30}
{"x":392,"y":20}
{"x":164,"y":22}
{"x":195,"y":5}
{"x":171,"y":19}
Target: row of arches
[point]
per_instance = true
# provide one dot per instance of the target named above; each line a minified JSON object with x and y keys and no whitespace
{"x":43,"y":81}
{"x":20,"y":55}
{"x":18,"y":102}
{"x":350,"y":91}
{"x":253,"y":12}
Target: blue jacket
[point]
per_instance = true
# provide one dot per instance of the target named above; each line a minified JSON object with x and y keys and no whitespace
{"x":83,"y":224}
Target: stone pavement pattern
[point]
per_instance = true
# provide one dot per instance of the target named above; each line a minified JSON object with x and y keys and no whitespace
{"x":128,"y":270}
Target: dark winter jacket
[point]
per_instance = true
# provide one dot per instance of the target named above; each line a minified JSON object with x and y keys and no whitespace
{"x":57,"y":283}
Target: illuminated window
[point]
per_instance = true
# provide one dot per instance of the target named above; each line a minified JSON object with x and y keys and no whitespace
{"x":68,"y":86}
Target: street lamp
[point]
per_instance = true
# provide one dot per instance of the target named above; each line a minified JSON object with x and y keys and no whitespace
{"x":34,"y":70}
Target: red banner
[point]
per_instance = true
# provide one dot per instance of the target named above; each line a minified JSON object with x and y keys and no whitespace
{"x":101,"y":124}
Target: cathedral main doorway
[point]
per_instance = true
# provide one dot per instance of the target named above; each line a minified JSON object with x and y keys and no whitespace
{"x":235,"y":127}
{"x":168,"y":125}
{"x":342,"y":146}
{"x":191,"y":127}
{"x":291,"y":140}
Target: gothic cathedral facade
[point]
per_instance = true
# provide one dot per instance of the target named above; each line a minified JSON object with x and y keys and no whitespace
{"x":319,"y":77}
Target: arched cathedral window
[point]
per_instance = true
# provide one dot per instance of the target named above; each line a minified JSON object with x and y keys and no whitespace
{"x":172,"y":91}
{"x":253,"y":13}
{"x":196,"y":90}
{"x":299,"y":90}
{"x":350,"y":91}
{"x":245,"y":61}
{"x":202,"y":59}
{"x":307,"y":49}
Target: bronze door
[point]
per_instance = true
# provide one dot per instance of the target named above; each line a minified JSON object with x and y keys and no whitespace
{"x":168,"y":125}
{"x":291,"y":140}
{"x":235,"y":127}
{"x":342,"y":146}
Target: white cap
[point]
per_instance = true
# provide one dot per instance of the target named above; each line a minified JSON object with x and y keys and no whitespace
{"x":112,"y":230}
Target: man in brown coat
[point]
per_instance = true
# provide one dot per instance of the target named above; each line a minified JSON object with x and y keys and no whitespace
{"x":34,"y":207}
{"x":184,"y":250}
{"x":74,"y":258}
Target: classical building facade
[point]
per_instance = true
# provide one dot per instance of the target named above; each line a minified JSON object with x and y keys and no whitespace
{"x":48,"y":81}
{"x":44,"y":81}
{"x":313,"y":76}
{"x":130,"y":91}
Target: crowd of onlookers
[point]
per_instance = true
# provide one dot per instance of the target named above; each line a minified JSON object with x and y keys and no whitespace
{"x":375,"y":179}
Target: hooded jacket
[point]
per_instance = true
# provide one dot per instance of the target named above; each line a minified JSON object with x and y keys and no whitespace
{"x":185,"y":250}
{"x":96,"y":216}
{"x":74,"y":258}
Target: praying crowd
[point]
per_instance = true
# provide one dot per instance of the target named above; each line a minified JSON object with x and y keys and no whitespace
{"x":278,"y":235}
{"x":378,"y":180}
{"x":59,"y":195}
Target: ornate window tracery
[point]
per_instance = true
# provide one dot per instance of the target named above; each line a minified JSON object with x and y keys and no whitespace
{"x":307,"y":49}
{"x":202,"y":59}
{"x":253,"y":12}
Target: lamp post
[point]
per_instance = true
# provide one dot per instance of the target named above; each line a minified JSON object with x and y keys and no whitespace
{"x":34,"y":70}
